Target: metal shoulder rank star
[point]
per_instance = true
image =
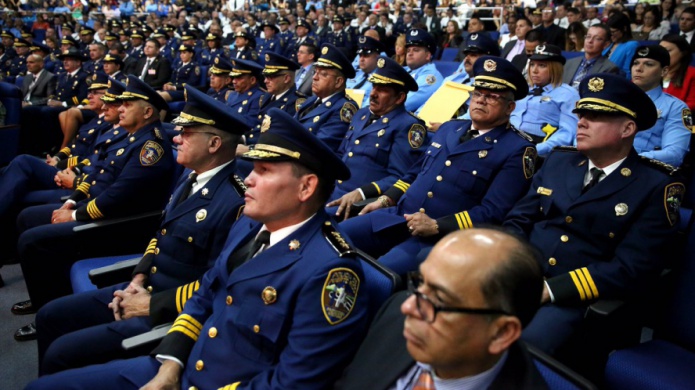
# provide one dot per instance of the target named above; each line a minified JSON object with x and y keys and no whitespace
{"x":294,"y":245}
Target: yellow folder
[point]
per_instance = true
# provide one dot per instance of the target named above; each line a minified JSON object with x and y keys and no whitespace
{"x":444,"y":103}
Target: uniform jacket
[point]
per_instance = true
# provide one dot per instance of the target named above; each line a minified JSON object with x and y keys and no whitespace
{"x":606,"y":243}
{"x":330,"y":120}
{"x":299,"y":338}
{"x":72,"y":89}
{"x":548,"y":114}
{"x":602,"y":65}
{"x":669,"y":138}
{"x":44,"y":87}
{"x":93,"y":66}
{"x":207,"y":56}
{"x":190,"y":237}
{"x":18,"y":67}
{"x":82,"y":146}
{"x":246,"y":53}
{"x":158,"y":74}
{"x":428,"y":80}
{"x":379,"y":153}
{"x":288,"y":103}
{"x":129,"y":176}
{"x":293,"y":45}
{"x":222,"y":94}
{"x":465,"y":184}
{"x":269,"y":45}
{"x":247,"y":104}
{"x":188,"y":74}
{"x":383,"y":357}
{"x":340,"y":39}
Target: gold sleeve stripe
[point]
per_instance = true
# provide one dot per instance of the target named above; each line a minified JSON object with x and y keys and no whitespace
{"x":590,"y":281}
{"x":233,"y":386}
{"x":401,"y":185}
{"x":578,"y":285}
{"x":83,"y":188}
{"x":464,"y":220}
{"x":187,"y":325}
{"x":66,"y":151}
{"x":184,"y":293}
{"x":74,"y":100}
{"x":378,"y":190}
{"x":93,"y":210}
{"x":86,"y":162}
{"x":72,"y":161}
{"x":151,"y":246}
{"x":585,"y":285}
{"x":179,"y":307}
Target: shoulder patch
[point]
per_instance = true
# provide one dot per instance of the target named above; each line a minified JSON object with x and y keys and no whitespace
{"x":417,"y":135}
{"x":431,"y":79}
{"x":226,"y":95}
{"x":347,"y":111}
{"x":688,"y":119}
{"x":150,"y":153}
{"x":673,"y":197}
{"x":238,"y":184}
{"x":197,"y":70}
{"x":529,"y":161}
{"x":662,"y":166}
{"x":299,"y":103}
{"x":565,"y":148}
{"x":339,"y":294}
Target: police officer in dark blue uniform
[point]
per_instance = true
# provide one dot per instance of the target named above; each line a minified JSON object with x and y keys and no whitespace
{"x":165,"y":50}
{"x":196,"y":222}
{"x":86,"y":39}
{"x":212,"y":51}
{"x":285,"y":35}
{"x":18,"y":67}
{"x":173,"y":42}
{"x":269,"y":44}
{"x":600,"y":214}
{"x":339,"y":37}
{"x":384,"y":140}
{"x":246,"y":99}
{"x":329,"y":112}
{"x":188,"y":72}
{"x":136,"y":41}
{"x":130,"y":176}
{"x":473,"y":173}
{"x":367,"y":53}
{"x":243,"y":47}
{"x":113,"y":65}
{"x":220,"y":80}
{"x":8,"y":43}
{"x":302,"y":34}
{"x":284,"y":300}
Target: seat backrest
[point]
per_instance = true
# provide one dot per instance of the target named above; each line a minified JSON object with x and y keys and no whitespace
{"x":571,"y":54}
{"x":556,"y":375}
{"x":11,"y":98}
{"x":446,"y":68}
{"x":203,"y":76}
{"x":449,"y":54}
{"x":380,"y":282}
{"x":679,"y":321}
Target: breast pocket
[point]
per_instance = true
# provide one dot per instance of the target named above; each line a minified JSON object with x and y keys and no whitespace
{"x":191,"y":241}
{"x":258,"y":332}
{"x":430,"y":155}
{"x":474,"y":180}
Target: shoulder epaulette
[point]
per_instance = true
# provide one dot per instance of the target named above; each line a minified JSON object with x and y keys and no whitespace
{"x":336,"y":240}
{"x":662,"y":166}
{"x":299,"y":94}
{"x":158,"y":133}
{"x":415,"y":116}
{"x":522,"y":134}
{"x":565,"y":148}
{"x":238,"y":184}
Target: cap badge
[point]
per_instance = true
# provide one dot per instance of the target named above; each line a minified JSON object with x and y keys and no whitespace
{"x":643,"y":52}
{"x":381,"y":62}
{"x":474,"y":37}
{"x":265,"y":125}
{"x":363,"y":39}
{"x":413,"y":33}
{"x":596,"y":84}
{"x":269,"y":295}
{"x":267,"y":58}
{"x":626,"y":172}
{"x":324,"y":51}
{"x":490,"y":65}
{"x":217,"y":60}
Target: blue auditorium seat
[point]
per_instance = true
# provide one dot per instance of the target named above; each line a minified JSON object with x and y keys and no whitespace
{"x":79,"y":271}
{"x":667,"y":361}
{"x":572,"y":54}
{"x":495,"y":35}
{"x":449,"y":54}
{"x":11,"y":99}
{"x":18,"y":81}
{"x":39,"y":34}
{"x":692,"y":61}
{"x":556,"y":375}
{"x":446,"y":68}
{"x":204,"y":80}
{"x":381,"y":282}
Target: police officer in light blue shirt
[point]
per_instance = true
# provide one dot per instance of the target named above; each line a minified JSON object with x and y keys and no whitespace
{"x":667,"y":141}
{"x":368,"y":52}
{"x":546,"y":113}
{"x":476,"y":45}
{"x":420,"y":48}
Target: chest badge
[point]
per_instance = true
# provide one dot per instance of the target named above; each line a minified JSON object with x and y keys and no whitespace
{"x":269,"y":295}
{"x":626,"y":172}
{"x":204,"y":191}
{"x":294,"y":245}
{"x":201,"y":215}
{"x":620,"y":209}
{"x":482,"y":154}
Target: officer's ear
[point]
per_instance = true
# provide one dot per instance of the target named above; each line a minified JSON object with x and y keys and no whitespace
{"x":629,"y":129}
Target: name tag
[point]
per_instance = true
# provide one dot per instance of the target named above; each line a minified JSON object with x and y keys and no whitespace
{"x":544,"y":191}
{"x":151,"y":71}
{"x":436,"y":145}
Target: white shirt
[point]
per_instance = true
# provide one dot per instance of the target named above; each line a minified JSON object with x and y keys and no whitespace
{"x":482,"y":380}
{"x":205,"y":177}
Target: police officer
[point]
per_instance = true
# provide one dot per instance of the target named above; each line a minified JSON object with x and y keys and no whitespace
{"x":113,"y":66}
{"x":88,"y":328}
{"x":297,"y":303}
{"x":384,"y":140}
{"x":136,"y":44}
{"x":246,"y":99}
{"x":285,"y":35}
{"x":130,"y":176}
{"x":302,"y":30}
{"x":96,"y":52}
{"x":243,"y":49}
{"x":600,"y":214}
{"x":476,"y":45}
{"x":173,"y":42}
{"x":8,"y":43}
{"x":220,"y":79}
{"x":269,"y":44}
{"x":165,"y":50}
{"x":188,"y":72}
{"x":420,"y":48}
{"x":473,"y":173}
{"x":546,"y":113}
{"x":49,"y":60}
{"x":86,"y":39}
{"x":212,"y":51}
{"x":669,"y":138}
{"x":18,"y":67}
{"x":339,"y":37}
{"x":368,"y":52}
{"x":329,"y":112}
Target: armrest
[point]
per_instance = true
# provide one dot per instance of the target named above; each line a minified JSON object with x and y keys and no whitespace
{"x":64,"y":198}
{"x":115,"y":222}
{"x":605,"y":307}
{"x":154,"y":336}
{"x":114,"y":273}
{"x":358,"y":206}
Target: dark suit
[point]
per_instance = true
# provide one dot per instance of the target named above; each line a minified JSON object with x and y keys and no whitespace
{"x":602,"y":65}
{"x":129,"y":65}
{"x":158,"y":74}
{"x":383,"y":357}
{"x":44,"y":87}
{"x":519,"y":61}
{"x":380,"y":30}
{"x":305,"y":86}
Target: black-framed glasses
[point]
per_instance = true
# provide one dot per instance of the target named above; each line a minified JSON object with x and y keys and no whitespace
{"x":428,"y":310}
{"x":489,"y":98}
{"x":187,"y":133}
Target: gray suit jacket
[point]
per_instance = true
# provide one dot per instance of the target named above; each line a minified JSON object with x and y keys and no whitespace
{"x":305,"y":86}
{"x":602,"y":65}
{"x":45,"y":86}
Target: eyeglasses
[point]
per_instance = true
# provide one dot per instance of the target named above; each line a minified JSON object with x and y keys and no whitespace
{"x":594,"y":38}
{"x":490,"y":98}
{"x":428,"y":310}
{"x":187,"y":133}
